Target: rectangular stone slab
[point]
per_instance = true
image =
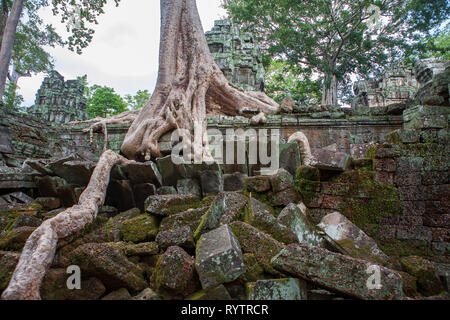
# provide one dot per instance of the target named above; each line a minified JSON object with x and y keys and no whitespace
{"x":338,"y":272}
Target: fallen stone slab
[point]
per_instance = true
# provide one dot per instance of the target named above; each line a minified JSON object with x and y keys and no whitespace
{"x":234,"y":181}
{"x":49,"y":203}
{"x":175,"y":273}
{"x":147,"y":295}
{"x":218,"y":293}
{"x":189,"y":186}
{"x":352,"y":240}
{"x":278,"y":289}
{"x":290,"y":158}
{"x":48,"y":186}
{"x":139,"y":229}
{"x":165,"y":190}
{"x":428,"y":282}
{"x":330,"y":160}
{"x":258,"y":184}
{"x":293,"y":218}
{"x":15,"y":239}
{"x":109,"y":265}
{"x":146,"y":172}
{"x":226,"y":208}
{"x":181,"y":237}
{"x":260,"y":217}
{"x":211,"y":182}
{"x":285,"y":197}
{"x":8,"y":262}
{"x":253,"y":241}
{"x":118,"y":295}
{"x":166,"y":205}
{"x":77,"y":172}
{"x":25,"y":220}
{"x":190,"y":218}
{"x":218,"y":258}
{"x":339,"y":273}
{"x":281,"y":181}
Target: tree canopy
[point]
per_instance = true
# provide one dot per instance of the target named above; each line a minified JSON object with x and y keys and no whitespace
{"x":104,"y":102}
{"x":139,"y":100}
{"x":338,"y":38}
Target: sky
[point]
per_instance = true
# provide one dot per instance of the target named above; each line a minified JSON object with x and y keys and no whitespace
{"x":124,"y":51}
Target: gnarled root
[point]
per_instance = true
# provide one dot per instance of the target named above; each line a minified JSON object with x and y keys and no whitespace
{"x":305,"y":149}
{"x":39,"y":250}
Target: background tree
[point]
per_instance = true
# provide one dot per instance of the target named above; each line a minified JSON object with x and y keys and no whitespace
{"x":285,"y":80}
{"x":137,"y":101}
{"x":337,"y":38}
{"x":104,"y":102}
{"x":433,"y":46}
{"x":79,"y":16}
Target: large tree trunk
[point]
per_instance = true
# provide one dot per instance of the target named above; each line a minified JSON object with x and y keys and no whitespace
{"x":189,"y":86}
{"x":329,"y":91}
{"x":9,"y":36}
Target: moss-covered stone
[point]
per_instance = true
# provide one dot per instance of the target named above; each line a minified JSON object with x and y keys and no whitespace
{"x":428,"y":283}
{"x":254,"y":269}
{"x":15,"y":239}
{"x":218,"y":293}
{"x":258,"y":243}
{"x":308,"y":173}
{"x":8,"y":262}
{"x":277,"y":289}
{"x":139,"y":229}
{"x":166,"y":205}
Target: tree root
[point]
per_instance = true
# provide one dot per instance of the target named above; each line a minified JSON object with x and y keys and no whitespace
{"x":305,"y":149}
{"x":39,"y":250}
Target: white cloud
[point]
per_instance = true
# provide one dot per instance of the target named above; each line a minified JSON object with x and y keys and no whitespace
{"x":124,"y":51}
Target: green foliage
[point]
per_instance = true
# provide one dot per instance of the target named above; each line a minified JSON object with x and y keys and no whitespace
{"x":338,"y":38}
{"x":11,"y":99}
{"x":139,"y":100}
{"x":104,"y":102}
{"x":432,"y":46}
{"x":283,"y":80}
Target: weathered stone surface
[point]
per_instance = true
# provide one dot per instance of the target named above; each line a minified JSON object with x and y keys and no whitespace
{"x":139,"y":229}
{"x":258,"y":243}
{"x":234,"y":181}
{"x":211,"y":182}
{"x":66,"y":194}
{"x":189,"y":186}
{"x":333,"y":161}
{"x":15,"y":239}
{"x":54,"y":287}
{"x":260,"y":216}
{"x":337,"y":272}
{"x":166,"y":205}
{"x":258,"y":184}
{"x":218,"y":293}
{"x":218,"y":258}
{"x":293,"y":218}
{"x":352,"y":239}
{"x":443,"y":271}
{"x":254,"y":270}
{"x":181,"y":237}
{"x":166,"y":190}
{"x":120,"y":195}
{"x":49,"y":203}
{"x":175,"y":273}
{"x":75,"y":172}
{"x":141,"y":249}
{"x":190,"y":218}
{"x":147,"y":295}
{"x":409,"y":284}
{"x":8,"y":262}
{"x":146,"y":172}
{"x":142,"y":192}
{"x":285,"y":197}
{"x":17,"y":198}
{"x":109,"y":265}
{"x":290,"y":158}
{"x":25,"y":220}
{"x":428,"y":282}
{"x":121,"y":294}
{"x":281,"y":181}
{"x":277,"y":289}
{"x":308,"y":173}
{"x":226,"y":208}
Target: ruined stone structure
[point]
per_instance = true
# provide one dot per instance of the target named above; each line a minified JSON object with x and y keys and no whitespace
{"x":237,"y":55}
{"x":397,"y":85}
{"x":60,"y":101}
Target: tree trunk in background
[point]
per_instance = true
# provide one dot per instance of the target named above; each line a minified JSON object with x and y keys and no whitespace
{"x":329,"y":91}
{"x":8,"y":38}
{"x":190,"y":85}
{"x":4,"y":12}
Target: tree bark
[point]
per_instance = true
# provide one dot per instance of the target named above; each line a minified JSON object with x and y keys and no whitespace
{"x":190,"y":85}
{"x":329,"y":91}
{"x":9,"y":36}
